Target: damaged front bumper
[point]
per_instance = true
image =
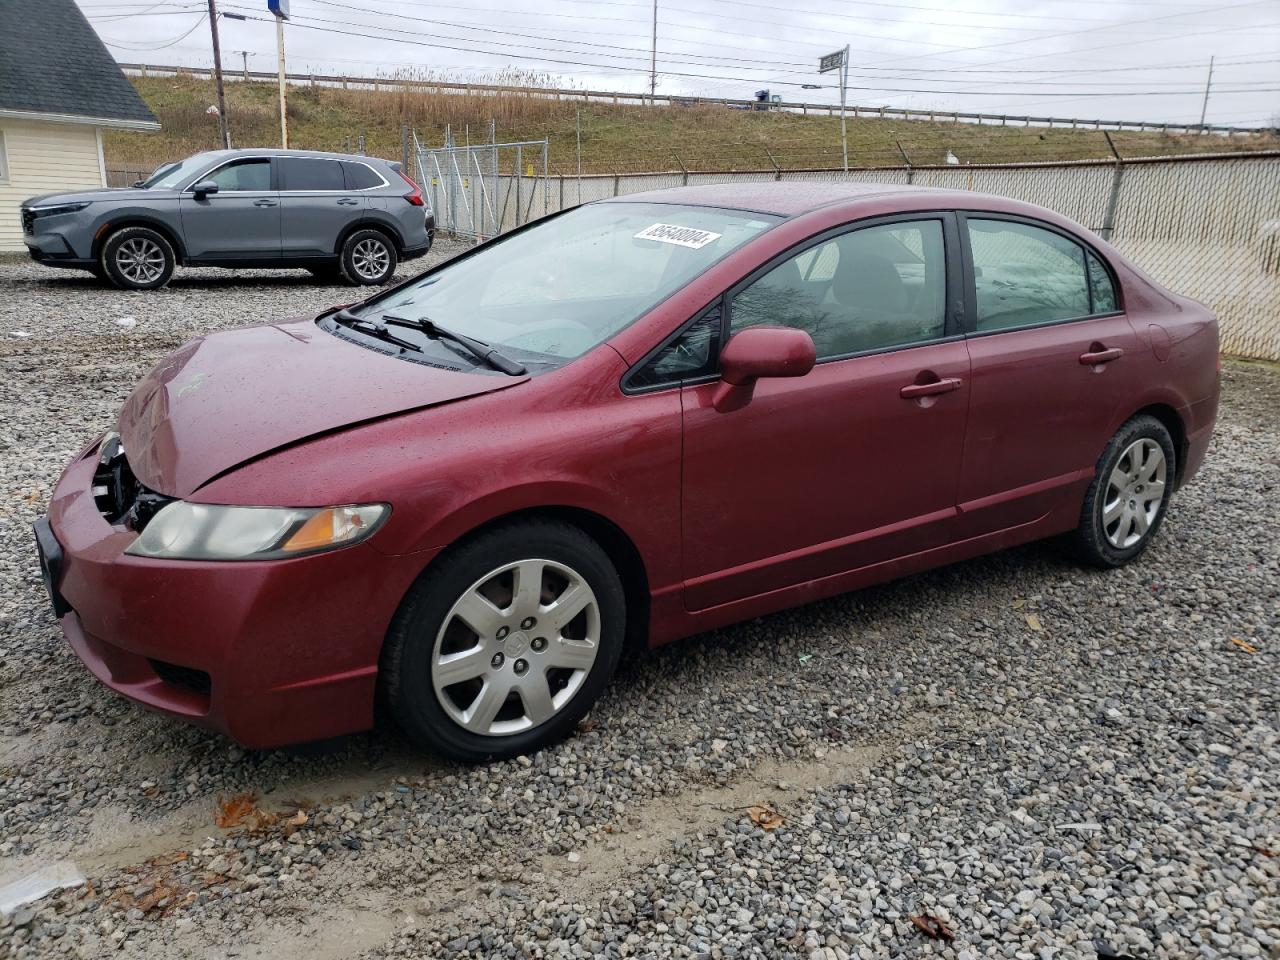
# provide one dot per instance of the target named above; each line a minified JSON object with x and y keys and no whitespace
{"x":269,"y":652}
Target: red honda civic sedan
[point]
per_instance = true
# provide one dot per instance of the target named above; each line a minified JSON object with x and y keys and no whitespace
{"x":635,"y":420}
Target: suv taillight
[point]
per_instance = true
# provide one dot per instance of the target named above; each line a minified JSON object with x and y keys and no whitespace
{"x":414,"y":196}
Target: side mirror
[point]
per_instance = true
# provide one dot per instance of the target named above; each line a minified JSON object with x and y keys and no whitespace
{"x":204,"y":188}
{"x":760,"y":352}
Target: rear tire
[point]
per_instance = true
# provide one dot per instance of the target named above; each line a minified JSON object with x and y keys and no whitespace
{"x":137,"y":258}
{"x":1126,"y":502}
{"x":369,"y":258}
{"x":478,"y":667}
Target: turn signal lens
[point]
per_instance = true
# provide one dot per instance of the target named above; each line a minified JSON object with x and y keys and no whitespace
{"x":333,"y":526}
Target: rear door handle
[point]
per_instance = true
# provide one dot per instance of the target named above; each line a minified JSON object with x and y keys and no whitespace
{"x":1096,"y":357}
{"x":348,"y":201}
{"x":264,"y":202}
{"x":913,"y":391}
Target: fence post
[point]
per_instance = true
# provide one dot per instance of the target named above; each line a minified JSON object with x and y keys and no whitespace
{"x":911,"y":174}
{"x":777,"y":170}
{"x":684,"y":172}
{"x":404,"y":145}
{"x":1109,"y":218}
{"x":519,"y":184}
{"x":615,"y":181}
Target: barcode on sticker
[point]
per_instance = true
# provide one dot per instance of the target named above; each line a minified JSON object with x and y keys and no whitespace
{"x":681,"y":236}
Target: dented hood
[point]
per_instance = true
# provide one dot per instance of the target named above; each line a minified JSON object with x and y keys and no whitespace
{"x":230,"y":397}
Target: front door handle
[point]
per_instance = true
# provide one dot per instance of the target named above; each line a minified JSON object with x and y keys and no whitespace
{"x":348,"y":201}
{"x":1099,"y":355}
{"x":913,"y":391}
{"x":264,"y":202}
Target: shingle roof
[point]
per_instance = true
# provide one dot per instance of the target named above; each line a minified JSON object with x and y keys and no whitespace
{"x":52,"y":62}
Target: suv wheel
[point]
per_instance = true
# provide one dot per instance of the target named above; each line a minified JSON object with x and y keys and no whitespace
{"x":1130,"y":492}
{"x":368,"y":258}
{"x":137,"y":258}
{"x":502,"y":648}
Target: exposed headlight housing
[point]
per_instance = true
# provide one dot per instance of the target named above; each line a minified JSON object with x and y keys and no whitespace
{"x":202,"y":531}
{"x":55,"y":208}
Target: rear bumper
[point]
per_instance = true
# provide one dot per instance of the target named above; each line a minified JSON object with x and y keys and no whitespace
{"x":270,"y":653}
{"x":1200,"y":419}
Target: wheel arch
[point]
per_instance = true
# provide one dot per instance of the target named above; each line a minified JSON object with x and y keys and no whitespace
{"x":370,"y":224}
{"x":111,"y":227}
{"x":615,"y":542}
{"x":1172,"y":421}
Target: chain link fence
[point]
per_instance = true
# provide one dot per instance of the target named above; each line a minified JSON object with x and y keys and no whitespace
{"x":1207,"y":227}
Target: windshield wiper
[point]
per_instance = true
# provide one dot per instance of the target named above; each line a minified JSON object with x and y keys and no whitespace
{"x":477,"y":348}
{"x":375,"y":330}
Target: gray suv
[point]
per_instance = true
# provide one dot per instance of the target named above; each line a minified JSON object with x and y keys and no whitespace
{"x":336,"y":215}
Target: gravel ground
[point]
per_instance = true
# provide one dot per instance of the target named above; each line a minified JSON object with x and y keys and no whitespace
{"x":1049,"y":761}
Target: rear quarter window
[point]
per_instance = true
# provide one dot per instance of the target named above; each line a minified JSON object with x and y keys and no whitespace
{"x":360,"y":177}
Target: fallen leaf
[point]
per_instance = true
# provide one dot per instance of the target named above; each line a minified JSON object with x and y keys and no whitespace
{"x":1019,"y":604}
{"x":1246,"y":647}
{"x":1034,"y":622}
{"x":231,"y":812}
{"x":931,"y":926}
{"x":168,"y":859}
{"x":765,"y":817}
{"x":586,"y":726}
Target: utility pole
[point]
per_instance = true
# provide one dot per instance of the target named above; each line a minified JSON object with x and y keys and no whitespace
{"x":223,"y":128}
{"x":284,"y":107}
{"x":653,"y":56}
{"x":1204,"y":107}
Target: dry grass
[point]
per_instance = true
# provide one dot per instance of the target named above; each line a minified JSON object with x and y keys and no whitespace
{"x":621,"y":138}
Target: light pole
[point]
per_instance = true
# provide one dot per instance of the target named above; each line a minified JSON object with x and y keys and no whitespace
{"x":839,"y":61}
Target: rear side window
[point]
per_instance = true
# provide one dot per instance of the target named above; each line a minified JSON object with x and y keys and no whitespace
{"x":360,"y":177}
{"x":1025,"y":275}
{"x":243,"y":175}
{"x":306,"y":173}
{"x":1101,"y":288}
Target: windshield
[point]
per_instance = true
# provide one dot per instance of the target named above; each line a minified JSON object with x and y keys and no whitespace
{"x":173,"y":175}
{"x":570,"y":283}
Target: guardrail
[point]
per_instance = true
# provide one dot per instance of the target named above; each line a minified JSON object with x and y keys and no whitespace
{"x":644,"y":99}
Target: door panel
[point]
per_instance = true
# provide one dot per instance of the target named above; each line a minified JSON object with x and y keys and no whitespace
{"x":821,"y":474}
{"x":240,"y":221}
{"x":315,"y":205}
{"x":1038,"y":417}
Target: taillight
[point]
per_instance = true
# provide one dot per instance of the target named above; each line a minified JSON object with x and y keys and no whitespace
{"x":414,"y":196}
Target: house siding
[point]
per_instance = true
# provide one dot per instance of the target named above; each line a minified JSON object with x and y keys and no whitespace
{"x":43,"y":158}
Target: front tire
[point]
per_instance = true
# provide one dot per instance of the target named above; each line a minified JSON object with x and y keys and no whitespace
{"x":1127,"y":500}
{"x":369,"y":258}
{"x":501,"y":647}
{"x":137,"y":258}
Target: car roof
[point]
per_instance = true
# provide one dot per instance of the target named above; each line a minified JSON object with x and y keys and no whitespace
{"x":281,"y":152}
{"x":785,"y":199}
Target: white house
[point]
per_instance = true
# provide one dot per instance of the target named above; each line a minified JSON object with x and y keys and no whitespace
{"x":59,"y":89}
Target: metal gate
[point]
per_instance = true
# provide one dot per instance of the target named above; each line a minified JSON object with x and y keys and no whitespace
{"x":479,"y":190}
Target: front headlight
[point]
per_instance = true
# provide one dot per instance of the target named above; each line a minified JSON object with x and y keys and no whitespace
{"x":202,"y":531}
{"x":54,"y":209}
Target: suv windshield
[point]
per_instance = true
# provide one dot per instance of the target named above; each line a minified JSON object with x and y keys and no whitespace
{"x":570,"y":283}
{"x":174,"y":175}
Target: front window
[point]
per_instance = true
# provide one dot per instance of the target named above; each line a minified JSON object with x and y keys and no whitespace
{"x":243,"y":175}
{"x":568,"y":284}
{"x":175,"y":175}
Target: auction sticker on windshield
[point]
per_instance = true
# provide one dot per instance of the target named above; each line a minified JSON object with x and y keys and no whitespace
{"x":681,"y":236}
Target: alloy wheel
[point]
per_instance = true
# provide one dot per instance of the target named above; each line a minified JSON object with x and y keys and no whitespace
{"x":140,"y":260}
{"x":515,"y":647}
{"x":1135,"y":492}
{"x":370,"y":259}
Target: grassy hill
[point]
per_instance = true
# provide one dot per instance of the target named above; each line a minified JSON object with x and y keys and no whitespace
{"x":614,"y":138}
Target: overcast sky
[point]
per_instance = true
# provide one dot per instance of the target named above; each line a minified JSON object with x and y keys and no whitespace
{"x":1111,"y":59}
